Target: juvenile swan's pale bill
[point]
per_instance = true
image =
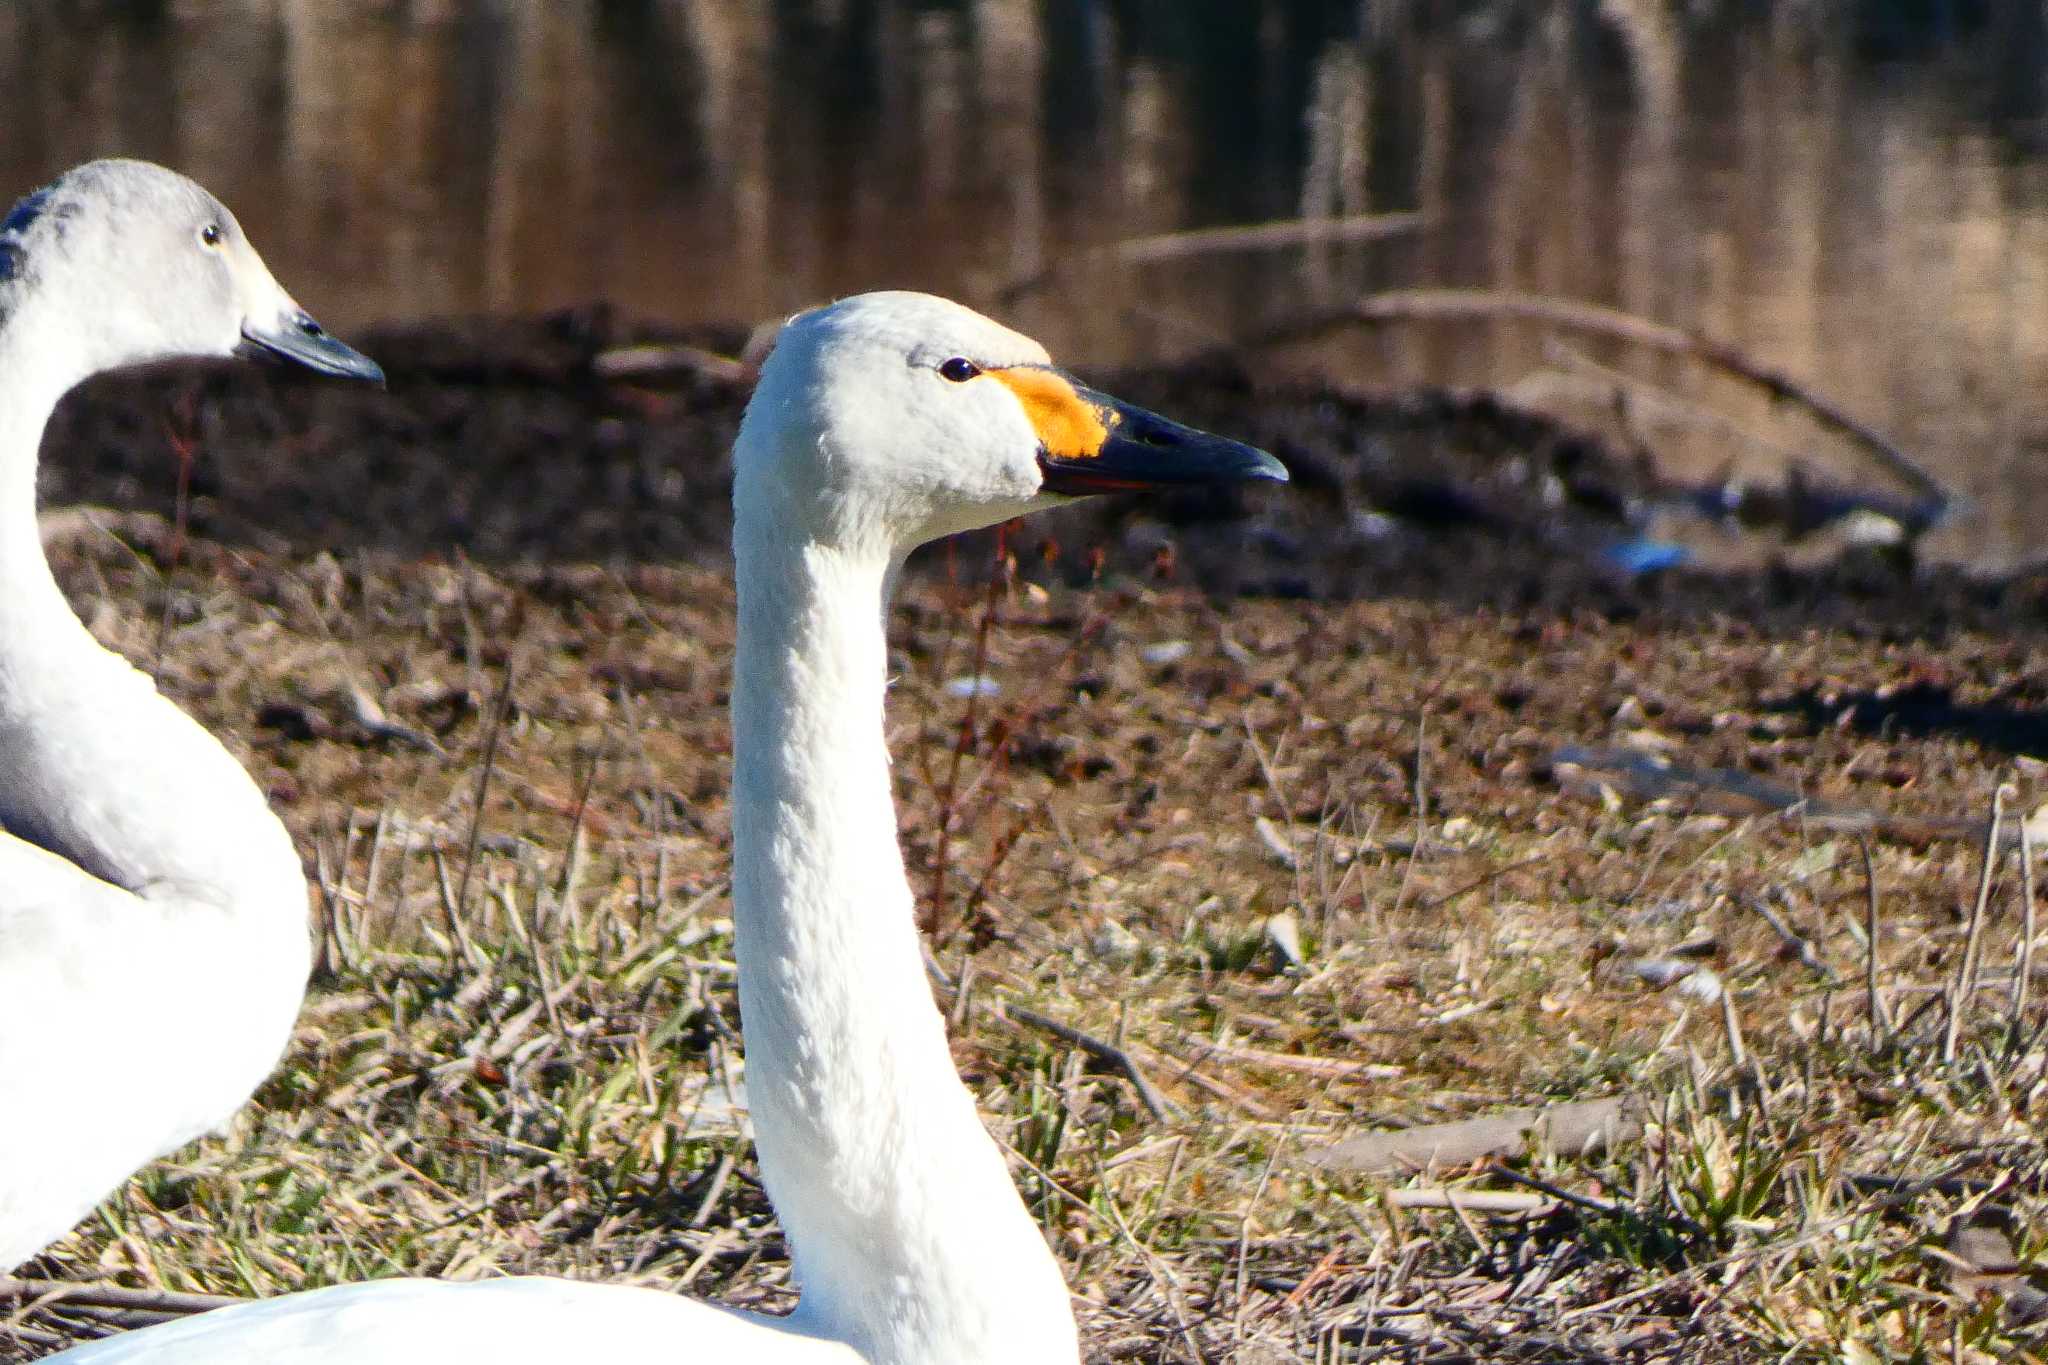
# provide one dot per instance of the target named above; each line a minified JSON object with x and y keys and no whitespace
{"x":880,"y":422}
{"x":153,"y":944}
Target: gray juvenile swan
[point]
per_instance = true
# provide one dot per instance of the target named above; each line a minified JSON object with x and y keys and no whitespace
{"x":881,"y":422}
{"x":153,"y":944}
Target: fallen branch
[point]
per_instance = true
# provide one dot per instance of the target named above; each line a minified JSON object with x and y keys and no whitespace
{"x":1184,"y":1070}
{"x":664,"y":362}
{"x":1613,"y":388}
{"x":1966,"y":966}
{"x":1557,"y":1192}
{"x":1564,"y":1129}
{"x":1328,"y":1068}
{"x":1273,"y":236}
{"x":1873,"y":992}
{"x":1800,"y":946}
{"x":68,"y":1293}
{"x":1477,"y":305}
{"x":17,"y":1334}
{"x":1471,"y":1201}
{"x":1213,"y":241}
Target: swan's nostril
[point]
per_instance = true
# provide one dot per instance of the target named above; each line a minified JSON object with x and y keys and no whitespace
{"x":310,"y":327}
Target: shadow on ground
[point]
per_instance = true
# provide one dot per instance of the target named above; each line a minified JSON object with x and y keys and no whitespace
{"x":500,"y":440}
{"x":2013,"y":722}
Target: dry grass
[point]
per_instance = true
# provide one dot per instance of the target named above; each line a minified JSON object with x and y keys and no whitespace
{"x":519,"y":1052}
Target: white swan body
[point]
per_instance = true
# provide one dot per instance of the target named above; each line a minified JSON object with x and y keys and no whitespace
{"x":880,"y":422}
{"x":153,"y":944}
{"x":439,"y":1322}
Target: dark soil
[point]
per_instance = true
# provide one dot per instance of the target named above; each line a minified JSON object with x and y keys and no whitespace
{"x":497,"y":441}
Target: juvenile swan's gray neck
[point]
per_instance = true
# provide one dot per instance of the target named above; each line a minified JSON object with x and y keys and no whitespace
{"x":910,"y":1242}
{"x":35,"y":372}
{"x":94,"y":764}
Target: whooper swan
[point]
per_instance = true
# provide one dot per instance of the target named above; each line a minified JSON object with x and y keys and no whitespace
{"x":881,"y":422}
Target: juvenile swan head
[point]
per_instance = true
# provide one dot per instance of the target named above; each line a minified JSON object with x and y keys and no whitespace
{"x":126,"y":262}
{"x":896,"y":418}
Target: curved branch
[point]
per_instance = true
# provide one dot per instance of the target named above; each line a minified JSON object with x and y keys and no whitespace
{"x":1481,"y":305}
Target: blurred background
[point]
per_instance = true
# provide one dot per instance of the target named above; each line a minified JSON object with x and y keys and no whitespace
{"x":1850,"y":192}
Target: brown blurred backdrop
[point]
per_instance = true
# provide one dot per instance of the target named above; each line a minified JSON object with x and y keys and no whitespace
{"x":1851,"y":192}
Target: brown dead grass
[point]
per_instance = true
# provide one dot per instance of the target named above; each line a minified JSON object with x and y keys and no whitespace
{"x":518,"y":1053}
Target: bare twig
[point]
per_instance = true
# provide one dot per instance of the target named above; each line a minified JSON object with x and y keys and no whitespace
{"x":1465,"y":305}
{"x":656,"y":361}
{"x":1880,"y":1014}
{"x":2023,"y":965}
{"x":1584,"y":1201}
{"x":1966,"y":968}
{"x":714,"y":1191}
{"x":1807,"y":956}
{"x":1641,"y":394}
{"x":1287,"y":232}
{"x":1329,"y":1068}
{"x":500,"y":708}
{"x":572,"y":855}
{"x":1244,"y":1226}
{"x":1107,"y":1053}
{"x":1478,"y":1201}
{"x":13,"y":1333}
{"x":1184,"y":1070}
{"x":1480,"y":882}
{"x":1421,"y":791}
{"x":1733,"y":1027}
{"x":456,"y":928}
{"x":1236,"y":237}
{"x":948,"y":793}
{"x":65,"y":1293}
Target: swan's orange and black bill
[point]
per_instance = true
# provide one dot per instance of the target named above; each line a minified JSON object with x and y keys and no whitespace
{"x":1090,"y":442}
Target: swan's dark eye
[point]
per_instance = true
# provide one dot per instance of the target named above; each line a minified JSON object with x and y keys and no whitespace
{"x":210,"y":234}
{"x":959,"y":369}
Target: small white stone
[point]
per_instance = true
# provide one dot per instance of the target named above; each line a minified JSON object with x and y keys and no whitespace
{"x":1284,"y":934}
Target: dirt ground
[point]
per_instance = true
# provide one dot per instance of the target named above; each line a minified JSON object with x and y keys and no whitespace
{"x":1333,"y":809}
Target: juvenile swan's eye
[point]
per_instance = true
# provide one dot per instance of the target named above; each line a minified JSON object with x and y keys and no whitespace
{"x":210,"y":234}
{"x":959,"y":369}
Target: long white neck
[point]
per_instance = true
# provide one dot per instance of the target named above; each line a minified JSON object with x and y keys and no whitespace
{"x":93,"y":761}
{"x":909,"y":1240}
{"x":32,"y":378}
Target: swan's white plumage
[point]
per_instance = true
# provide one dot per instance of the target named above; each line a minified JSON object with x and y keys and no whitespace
{"x":433,"y":1322}
{"x":153,"y":944}
{"x":911,"y":1245}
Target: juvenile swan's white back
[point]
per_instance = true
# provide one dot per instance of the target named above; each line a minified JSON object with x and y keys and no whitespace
{"x":153,"y":943}
{"x":880,"y":422}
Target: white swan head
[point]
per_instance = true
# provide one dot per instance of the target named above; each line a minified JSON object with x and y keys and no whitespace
{"x":142,"y":264}
{"x":896,"y":418}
